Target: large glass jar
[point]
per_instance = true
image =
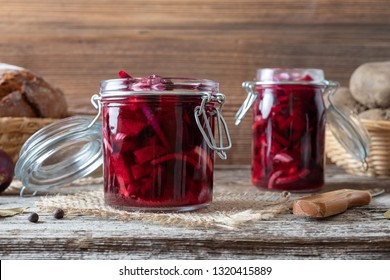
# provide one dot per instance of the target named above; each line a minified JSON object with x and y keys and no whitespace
{"x":158,"y":139}
{"x":288,"y":128}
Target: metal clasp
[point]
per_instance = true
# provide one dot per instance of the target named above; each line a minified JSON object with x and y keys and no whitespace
{"x":221,"y":124}
{"x":331,"y":87}
{"x":250,"y":99}
{"x":95,"y":100}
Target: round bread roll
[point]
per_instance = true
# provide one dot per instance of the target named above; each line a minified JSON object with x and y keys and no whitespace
{"x":24,"y":94}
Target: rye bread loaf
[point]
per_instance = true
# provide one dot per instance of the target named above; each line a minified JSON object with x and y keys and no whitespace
{"x":24,"y":94}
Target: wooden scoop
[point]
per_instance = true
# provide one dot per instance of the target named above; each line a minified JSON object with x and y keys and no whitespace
{"x":332,"y":203}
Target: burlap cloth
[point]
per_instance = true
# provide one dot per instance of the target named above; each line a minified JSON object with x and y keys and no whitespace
{"x":228,"y":210}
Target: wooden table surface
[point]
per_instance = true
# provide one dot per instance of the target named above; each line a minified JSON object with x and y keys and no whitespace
{"x":359,"y":233}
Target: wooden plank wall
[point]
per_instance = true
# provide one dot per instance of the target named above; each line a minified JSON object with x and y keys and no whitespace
{"x":75,"y":44}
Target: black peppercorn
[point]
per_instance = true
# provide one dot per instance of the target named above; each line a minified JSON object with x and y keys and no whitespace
{"x":33,"y":217}
{"x":59,"y":213}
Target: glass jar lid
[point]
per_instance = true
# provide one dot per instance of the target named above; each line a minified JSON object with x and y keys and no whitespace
{"x":156,"y":85}
{"x":290,"y":75}
{"x":60,"y":153}
{"x":344,"y":125}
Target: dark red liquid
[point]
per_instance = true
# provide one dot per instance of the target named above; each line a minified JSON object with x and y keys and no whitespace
{"x":288,"y":138}
{"x":154,"y":153}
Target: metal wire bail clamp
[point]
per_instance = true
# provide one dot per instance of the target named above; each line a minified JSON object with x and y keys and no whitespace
{"x":221,"y":124}
{"x":248,"y":102}
{"x":95,"y":100}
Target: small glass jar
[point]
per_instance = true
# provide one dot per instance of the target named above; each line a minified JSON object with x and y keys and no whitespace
{"x":156,"y":138}
{"x":288,"y":128}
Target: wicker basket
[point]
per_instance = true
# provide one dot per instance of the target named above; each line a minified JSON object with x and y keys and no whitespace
{"x":15,"y":131}
{"x":379,"y":156}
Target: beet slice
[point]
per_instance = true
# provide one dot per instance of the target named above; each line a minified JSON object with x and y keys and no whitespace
{"x":140,"y":170}
{"x":204,"y":159}
{"x":123,"y":143}
{"x":273,"y":178}
{"x":292,"y":178}
{"x":178,"y":156}
{"x":153,"y":121}
{"x":307,"y":78}
{"x":149,"y":153}
{"x":283,"y":157}
{"x":122,"y":174}
{"x":130,"y":122}
{"x":6,"y":170}
{"x":123,"y":75}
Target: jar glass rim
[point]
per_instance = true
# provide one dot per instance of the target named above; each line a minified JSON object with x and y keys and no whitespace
{"x":313,"y":75}
{"x":168,"y":85}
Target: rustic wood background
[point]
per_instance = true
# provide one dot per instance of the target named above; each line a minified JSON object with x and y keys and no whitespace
{"x":75,"y":44}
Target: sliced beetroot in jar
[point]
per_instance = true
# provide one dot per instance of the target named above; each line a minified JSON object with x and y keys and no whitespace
{"x":283,"y":157}
{"x":153,"y":121}
{"x":158,"y":156}
{"x":122,"y":143}
{"x":122,"y":174}
{"x":275,"y":175}
{"x":285,"y":150}
{"x":292,"y":178}
{"x":307,"y":78}
{"x":149,"y":153}
{"x":134,"y":129}
{"x":203,"y":157}
{"x":140,"y":170}
{"x":129,"y":122}
{"x":176,"y":157}
{"x":122,"y":74}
